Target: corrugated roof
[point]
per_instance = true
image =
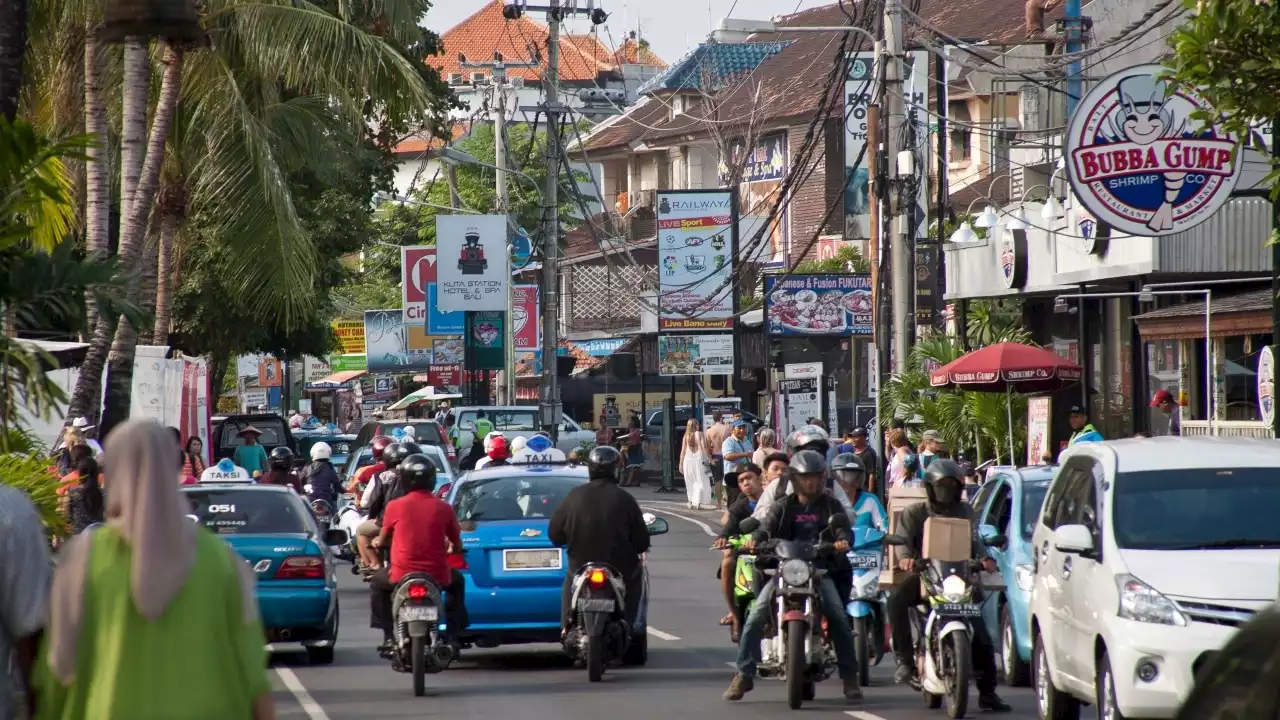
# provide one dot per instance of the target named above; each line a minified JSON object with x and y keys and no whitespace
{"x":1248,"y":302}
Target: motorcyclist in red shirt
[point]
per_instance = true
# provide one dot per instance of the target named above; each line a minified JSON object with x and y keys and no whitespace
{"x":422,"y":531}
{"x":362,"y":476}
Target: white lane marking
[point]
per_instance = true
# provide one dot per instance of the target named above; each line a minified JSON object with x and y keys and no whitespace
{"x":862,"y":715}
{"x":660,"y":635}
{"x":663,"y":511}
{"x":295,"y":686}
{"x":733,"y":665}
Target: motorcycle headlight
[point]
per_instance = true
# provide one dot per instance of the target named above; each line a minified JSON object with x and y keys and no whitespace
{"x":795,"y":572}
{"x":1140,"y":602}
{"x":955,"y":589}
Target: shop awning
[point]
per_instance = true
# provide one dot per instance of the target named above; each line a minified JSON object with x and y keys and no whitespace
{"x":1230,"y":316}
{"x":336,"y":380}
{"x":421,"y":395}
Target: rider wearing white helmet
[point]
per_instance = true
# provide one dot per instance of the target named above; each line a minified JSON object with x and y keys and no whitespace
{"x":319,"y":476}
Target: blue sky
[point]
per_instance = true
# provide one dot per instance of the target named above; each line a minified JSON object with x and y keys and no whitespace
{"x":671,"y":26}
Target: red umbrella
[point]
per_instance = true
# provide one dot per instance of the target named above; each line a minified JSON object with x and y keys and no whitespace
{"x":1006,"y":367}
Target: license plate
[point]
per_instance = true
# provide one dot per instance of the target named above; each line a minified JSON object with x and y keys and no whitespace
{"x":411,"y":613}
{"x":597,"y":604}
{"x":864,"y":562}
{"x":958,"y":610}
{"x":520,"y":560}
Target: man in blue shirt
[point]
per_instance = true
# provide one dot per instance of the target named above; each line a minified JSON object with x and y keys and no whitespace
{"x":1082,"y":430}
{"x":736,"y":451}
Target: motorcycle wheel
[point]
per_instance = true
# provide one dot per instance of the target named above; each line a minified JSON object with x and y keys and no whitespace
{"x":418,"y":660}
{"x":862,"y":634}
{"x":797,"y":663}
{"x":957,"y":669}
{"x":595,"y":658}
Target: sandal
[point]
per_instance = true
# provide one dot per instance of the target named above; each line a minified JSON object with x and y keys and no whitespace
{"x":727,"y":620}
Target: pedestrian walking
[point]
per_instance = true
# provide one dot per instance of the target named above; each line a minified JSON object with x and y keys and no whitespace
{"x":152,"y":616}
{"x":695,"y":465}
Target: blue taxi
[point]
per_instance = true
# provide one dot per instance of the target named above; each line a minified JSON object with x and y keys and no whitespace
{"x":514,"y":574}
{"x":274,"y":531}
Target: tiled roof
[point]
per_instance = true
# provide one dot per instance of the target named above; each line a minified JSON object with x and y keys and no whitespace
{"x":637,"y":53}
{"x":715,"y":64}
{"x":790,"y":81}
{"x":1248,"y":302}
{"x":422,"y":143}
{"x":582,"y":57}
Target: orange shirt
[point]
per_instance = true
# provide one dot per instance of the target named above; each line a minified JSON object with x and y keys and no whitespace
{"x":72,"y":479}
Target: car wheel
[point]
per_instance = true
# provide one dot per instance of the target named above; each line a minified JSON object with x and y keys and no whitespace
{"x":1016,"y":672}
{"x":1051,"y":703}
{"x":637,"y":653}
{"x":320,"y":655}
{"x":1106,"y":689}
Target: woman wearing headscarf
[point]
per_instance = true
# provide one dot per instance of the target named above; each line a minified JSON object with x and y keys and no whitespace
{"x":84,"y":501}
{"x":768,"y":442}
{"x":151,"y":616}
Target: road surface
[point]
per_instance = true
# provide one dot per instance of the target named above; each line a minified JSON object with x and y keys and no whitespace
{"x":689,"y":663}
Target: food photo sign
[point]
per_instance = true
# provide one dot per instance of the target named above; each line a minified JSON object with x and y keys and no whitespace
{"x":818,"y":304}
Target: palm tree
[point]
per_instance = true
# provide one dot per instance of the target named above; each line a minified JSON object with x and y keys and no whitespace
{"x":13,"y":48}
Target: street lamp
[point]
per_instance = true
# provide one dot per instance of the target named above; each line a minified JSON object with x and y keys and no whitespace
{"x":965,"y":234}
{"x":1148,"y":294}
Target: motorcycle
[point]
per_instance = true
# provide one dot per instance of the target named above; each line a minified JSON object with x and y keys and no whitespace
{"x":942,"y":627}
{"x":795,"y":646}
{"x":349,"y":518}
{"x":598,"y":633}
{"x":419,"y":646}
{"x":866,"y":613}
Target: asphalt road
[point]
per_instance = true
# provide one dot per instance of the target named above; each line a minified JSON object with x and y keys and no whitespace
{"x":689,"y":663}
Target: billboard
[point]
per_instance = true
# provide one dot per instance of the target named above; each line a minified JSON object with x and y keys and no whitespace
{"x":695,"y":259}
{"x":695,"y":354}
{"x":387,"y":343}
{"x":526,"y":317}
{"x":818,"y":304}
{"x":473,"y":268}
{"x":350,"y":336}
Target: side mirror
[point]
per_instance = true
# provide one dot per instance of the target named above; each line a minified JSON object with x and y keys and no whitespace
{"x":658,"y":527}
{"x":443,"y":491}
{"x":1073,"y":539}
{"x":991,"y":537}
{"x":334,"y":536}
{"x":895,"y":540}
{"x":749,"y":526}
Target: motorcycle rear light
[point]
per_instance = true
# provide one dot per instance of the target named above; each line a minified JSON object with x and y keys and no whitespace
{"x":596,"y":577}
{"x":417,"y":592}
{"x":458,"y":562}
{"x":301,"y":567}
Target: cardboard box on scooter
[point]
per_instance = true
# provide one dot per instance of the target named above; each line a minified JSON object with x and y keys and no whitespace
{"x":948,"y":539}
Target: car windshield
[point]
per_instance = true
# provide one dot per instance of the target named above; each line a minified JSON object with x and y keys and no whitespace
{"x":1032,"y":500}
{"x":272,"y":433}
{"x":338,"y":445}
{"x":1197,"y":509}
{"x":528,"y":495}
{"x":505,"y":420}
{"x":232,"y":511}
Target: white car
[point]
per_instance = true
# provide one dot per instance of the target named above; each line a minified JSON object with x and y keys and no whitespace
{"x":1148,"y":555}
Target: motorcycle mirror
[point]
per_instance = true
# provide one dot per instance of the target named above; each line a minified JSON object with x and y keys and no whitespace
{"x":895,"y":540}
{"x":749,"y":525}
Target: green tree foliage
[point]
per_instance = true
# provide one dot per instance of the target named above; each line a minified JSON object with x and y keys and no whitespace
{"x":847,"y":259}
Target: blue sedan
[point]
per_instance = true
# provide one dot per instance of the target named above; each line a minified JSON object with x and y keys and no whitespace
{"x":514,"y":573}
{"x":275,"y":533}
{"x":1009,"y":504}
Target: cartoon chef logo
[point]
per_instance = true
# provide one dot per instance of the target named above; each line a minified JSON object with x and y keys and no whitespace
{"x":1008,"y":262}
{"x":1141,"y":163}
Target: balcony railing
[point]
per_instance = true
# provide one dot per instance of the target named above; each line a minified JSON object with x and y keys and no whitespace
{"x":1227,"y":428}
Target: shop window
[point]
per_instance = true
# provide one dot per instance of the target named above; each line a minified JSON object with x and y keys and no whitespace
{"x":960,"y":133}
{"x":1241,"y":364}
{"x":1162,"y":374}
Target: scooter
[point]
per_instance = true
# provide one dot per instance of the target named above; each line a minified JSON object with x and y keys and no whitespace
{"x":349,"y":518}
{"x":865,"y":610}
{"x":419,"y":646}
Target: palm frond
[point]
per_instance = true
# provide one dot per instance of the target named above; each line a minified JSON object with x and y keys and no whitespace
{"x":35,"y":187}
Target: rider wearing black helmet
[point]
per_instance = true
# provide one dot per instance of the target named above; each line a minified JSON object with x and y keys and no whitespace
{"x":425,"y":530}
{"x":804,"y":516}
{"x":808,"y":437}
{"x":943,"y":483}
{"x":600,"y":522}
{"x":383,"y":488}
{"x":280,"y":472}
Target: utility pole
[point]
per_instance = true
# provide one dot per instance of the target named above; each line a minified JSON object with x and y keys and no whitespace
{"x":1275,"y":264}
{"x":900,"y":248}
{"x":550,"y":405}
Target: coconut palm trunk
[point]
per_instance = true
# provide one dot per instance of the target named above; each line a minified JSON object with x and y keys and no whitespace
{"x":119,"y":388}
{"x":13,"y":47}
{"x":171,"y":209}
{"x":97,"y":185}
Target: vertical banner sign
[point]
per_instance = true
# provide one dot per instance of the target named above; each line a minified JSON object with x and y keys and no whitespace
{"x":762,"y":170}
{"x":801,"y":402}
{"x":485,"y":338}
{"x":1037,"y":429}
{"x":473,"y":267}
{"x":417,"y":275}
{"x":859,"y":88}
{"x":695,"y":260}
{"x":915,"y":91}
{"x":526,"y":314}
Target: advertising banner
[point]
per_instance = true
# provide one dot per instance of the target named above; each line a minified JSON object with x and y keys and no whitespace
{"x":818,"y":304}
{"x":442,"y":323}
{"x":695,"y":354}
{"x":346,"y":363}
{"x":859,"y":89}
{"x":447,"y":351}
{"x":313,"y":369}
{"x":444,"y":376}
{"x":1161,"y":176}
{"x":1037,"y":429}
{"x":417,"y":273}
{"x":762,"y":169}
{"x":485,"y":339}
{"x":695,"y":266}
{"x":800,"y":402}
{"x":269,"y":374}
{"x":350,"y":335}
{"x":387,"y":343}
{"x":725,"y":406}
{"x":473,"y":267}
{"x":526,"y":315}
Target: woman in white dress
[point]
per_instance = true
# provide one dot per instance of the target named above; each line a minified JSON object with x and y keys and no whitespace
{"x":693,"y":465}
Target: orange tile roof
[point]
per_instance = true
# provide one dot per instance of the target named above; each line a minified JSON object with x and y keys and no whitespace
{"x":485,"y":32}
{"x":634,"y":53}
{"x":422,"y":143}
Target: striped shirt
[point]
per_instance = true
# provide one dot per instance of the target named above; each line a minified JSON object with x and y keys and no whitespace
{"x":25,"y":574}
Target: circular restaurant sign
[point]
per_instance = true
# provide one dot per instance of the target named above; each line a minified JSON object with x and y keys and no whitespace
{"x":1141,"y":163}
{"x":1267,"y":384}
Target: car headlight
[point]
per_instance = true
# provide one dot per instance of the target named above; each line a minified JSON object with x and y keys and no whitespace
{"x":795,"y":572}
{"x":955,"y":589}
{"x":1141,"y":602}
{"x":1025,"y":576}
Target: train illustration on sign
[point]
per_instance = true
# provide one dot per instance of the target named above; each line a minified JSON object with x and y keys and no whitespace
{"x":471,"y":260}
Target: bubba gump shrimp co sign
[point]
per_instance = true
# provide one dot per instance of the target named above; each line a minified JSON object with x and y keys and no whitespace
{"x":1139,"y":161}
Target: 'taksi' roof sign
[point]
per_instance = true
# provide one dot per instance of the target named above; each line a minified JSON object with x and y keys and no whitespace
{"x":1141,"y":163}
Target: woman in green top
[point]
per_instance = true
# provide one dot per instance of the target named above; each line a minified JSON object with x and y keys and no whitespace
{"x":251,"y":456}
{"x":152,"y":617}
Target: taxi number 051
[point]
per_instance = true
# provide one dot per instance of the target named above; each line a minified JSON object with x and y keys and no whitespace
{"x":222,"y":508}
